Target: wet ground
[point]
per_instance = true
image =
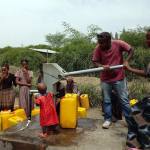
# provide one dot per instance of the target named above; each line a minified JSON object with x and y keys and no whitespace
{"x":88,"y":135}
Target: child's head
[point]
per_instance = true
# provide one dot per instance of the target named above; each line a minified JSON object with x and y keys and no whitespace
{"x":42,"y":88}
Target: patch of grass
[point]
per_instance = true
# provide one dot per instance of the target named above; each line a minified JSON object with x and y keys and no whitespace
{"x":139,"y":88}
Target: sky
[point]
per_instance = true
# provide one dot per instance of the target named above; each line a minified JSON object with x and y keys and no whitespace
{"x":26,"y":22}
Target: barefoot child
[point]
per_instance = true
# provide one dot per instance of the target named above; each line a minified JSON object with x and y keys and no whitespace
{"x":48,"y":115}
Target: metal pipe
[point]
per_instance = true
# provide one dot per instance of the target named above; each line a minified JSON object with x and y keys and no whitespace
{"x":90,"y":70}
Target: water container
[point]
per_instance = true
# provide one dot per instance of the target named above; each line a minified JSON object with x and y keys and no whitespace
{"x":75,"y":96}
{"x":20,"y":113}
{"x":14,"y":120}
{"x":4,"y":116}
{"x":134,"y":107}
{"x":0,"y":123}
{"x":35,"y":111}
{"x":68,"y":111}
{"x":84,"y":100}
{"x":82,"y":112}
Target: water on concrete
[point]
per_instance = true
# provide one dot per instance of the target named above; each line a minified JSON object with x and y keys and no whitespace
{"x":88,"y":135}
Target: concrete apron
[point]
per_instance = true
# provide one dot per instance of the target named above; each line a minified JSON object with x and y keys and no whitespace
{"x":88,"y":135}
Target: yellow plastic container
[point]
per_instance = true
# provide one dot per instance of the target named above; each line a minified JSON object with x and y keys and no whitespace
{"x":68,"y":111}
{"x":0,"y":123}
{"x":20,"y":113}
{"x":14,"y":120}
{"x":84,"y":100}
{"x":133,"y":102}
{"x":74,"y":96}
{"x":35,"y":111}
{"x":82,"y":112}
{"x":4,"y":116}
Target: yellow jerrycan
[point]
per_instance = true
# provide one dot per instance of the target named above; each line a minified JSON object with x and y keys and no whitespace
{"x":82,"y":112}
{"x":14,"y":120}
{"x":4,"y":116}
{"x":84,"y":100}
{"x":35,"y":111}
{"x":75,"y":96}
{"x":68,"y":111}
{"x":20,"y":113}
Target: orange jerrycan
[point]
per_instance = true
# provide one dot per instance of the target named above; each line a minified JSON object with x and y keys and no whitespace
{"x":84,"y":100}
{"x":68,"y":111}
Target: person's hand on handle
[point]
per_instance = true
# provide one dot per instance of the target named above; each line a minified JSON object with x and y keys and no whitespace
{"x":106,"y":67}
{"x":126,"y":65}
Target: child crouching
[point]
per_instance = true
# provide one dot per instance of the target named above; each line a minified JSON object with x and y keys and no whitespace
{"x":48,"y":115}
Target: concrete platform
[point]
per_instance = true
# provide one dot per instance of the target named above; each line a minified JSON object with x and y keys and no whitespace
{"x":88,"y":135}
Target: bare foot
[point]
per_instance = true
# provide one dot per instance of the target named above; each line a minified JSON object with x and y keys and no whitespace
{"x":43,"y":135}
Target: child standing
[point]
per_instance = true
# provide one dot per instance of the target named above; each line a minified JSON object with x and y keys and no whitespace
{"x":48,"y":115}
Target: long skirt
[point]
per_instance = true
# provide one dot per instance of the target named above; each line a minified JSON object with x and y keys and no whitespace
{"x":24,"y":100}
{"x":7,"y":99}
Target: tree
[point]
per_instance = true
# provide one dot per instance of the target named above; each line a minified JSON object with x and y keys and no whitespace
{"x":76,"y":51}
{"x":135,"y":37}
{"x":56,"y":40}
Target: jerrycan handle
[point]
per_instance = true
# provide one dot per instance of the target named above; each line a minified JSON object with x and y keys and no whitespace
{"x":83,"y":95}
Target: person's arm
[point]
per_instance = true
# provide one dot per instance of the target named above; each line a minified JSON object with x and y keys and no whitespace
{"x":57,"y":101}
{"x":130,"y":54}
{"x":28,"y":75}
{"x":37,"y":101}
{"x":125,"y":47}
{"x":21,"y":83}
{"x":18,"y":79}
{"x":137,"y":71}
{"x":134,"y":70}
